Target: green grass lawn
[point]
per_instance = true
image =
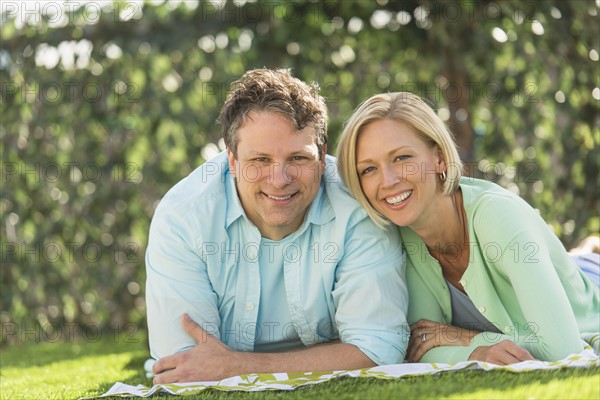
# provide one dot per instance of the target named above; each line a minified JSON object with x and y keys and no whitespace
{"x":72,"y":370}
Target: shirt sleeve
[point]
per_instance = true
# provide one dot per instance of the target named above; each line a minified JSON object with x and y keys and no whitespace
{"x":424,"y":305}
{"x":370,"y":293}
{"x":526,"y":259}
{"x":177,"y":282}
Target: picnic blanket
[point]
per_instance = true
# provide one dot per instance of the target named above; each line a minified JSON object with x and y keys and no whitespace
{"x":290,"y":381}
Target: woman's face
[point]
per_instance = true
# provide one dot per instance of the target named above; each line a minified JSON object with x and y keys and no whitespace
{"x":397,"y":170}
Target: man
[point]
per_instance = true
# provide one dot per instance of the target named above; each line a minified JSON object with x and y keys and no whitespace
{"x":261,"y":262}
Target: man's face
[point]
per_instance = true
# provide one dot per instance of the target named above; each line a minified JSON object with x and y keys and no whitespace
{"x":278,"y":172}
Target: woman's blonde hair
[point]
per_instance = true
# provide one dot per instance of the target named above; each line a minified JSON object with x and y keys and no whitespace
{"x":403,"y":107}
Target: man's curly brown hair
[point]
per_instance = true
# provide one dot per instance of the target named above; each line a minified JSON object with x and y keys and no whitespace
{"x":275,"y":91}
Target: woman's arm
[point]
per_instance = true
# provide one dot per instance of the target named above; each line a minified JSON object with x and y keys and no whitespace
{"x":526,"y":261}
{"x":534,"y":287}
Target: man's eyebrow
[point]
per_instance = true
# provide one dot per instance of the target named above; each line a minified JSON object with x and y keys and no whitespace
{"x":255,"y":153}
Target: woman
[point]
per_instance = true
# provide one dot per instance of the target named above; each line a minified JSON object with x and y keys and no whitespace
{"x":487,"y":279}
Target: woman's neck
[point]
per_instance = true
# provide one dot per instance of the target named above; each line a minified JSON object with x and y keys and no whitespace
{"x":445,"y":232}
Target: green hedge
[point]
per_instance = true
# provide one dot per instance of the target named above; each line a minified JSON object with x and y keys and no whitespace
{"x":106,"y":106}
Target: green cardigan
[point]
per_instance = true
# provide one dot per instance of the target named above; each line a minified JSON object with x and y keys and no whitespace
{"x":519,"y":277}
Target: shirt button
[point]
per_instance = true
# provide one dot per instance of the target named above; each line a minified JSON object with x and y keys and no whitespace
{"x":507,"y":329}
{"x":482,"y":309}
{"x":250,"y":307}
{"x":463,"y":282}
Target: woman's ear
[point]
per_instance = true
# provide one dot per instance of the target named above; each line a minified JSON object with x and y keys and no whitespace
{"x":440,"y":164}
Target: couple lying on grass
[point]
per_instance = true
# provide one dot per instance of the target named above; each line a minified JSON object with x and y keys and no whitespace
{"x":263,"y":260}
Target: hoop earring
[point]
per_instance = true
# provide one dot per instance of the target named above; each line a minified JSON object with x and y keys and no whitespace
{"x":443,"y":176}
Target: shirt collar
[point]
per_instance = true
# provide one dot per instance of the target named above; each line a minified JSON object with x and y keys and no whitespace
{"x":234,"y":206}
{"x":320,"y":211}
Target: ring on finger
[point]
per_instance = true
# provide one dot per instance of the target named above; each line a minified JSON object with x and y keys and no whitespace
{"x":423,"y":336}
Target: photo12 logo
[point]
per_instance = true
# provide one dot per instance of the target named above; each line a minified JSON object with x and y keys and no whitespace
{"x":52,"y":252}
{"x":119,"y":92}
{"x":61,"y":13}
{"x":69,"y":332}
{"x":69,"y":172}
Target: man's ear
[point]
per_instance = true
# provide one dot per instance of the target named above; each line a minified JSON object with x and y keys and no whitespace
{"x":323,"y":157}
{"x":232,"y":162}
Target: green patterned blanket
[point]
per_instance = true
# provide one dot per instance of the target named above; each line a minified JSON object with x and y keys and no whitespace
{"x":290,"y":381}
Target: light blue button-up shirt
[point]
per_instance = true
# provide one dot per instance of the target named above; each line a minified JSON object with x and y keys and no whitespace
{"x":342,"y":277}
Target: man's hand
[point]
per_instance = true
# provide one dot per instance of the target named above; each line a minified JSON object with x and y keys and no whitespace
{"x":503,"y":353}
{"x":425,"y":335}
{"x":209,"y":360}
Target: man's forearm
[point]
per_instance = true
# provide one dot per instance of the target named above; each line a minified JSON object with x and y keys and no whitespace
{"x":212,"y":360}
{"x":322,"y":357}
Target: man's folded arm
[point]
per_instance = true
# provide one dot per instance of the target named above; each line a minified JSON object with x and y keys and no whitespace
{"x":371,"y":295}
{"x":177,"y":282}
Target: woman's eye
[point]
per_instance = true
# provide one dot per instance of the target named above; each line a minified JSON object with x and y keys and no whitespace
{"x":401,"y":158}
{"x":367,"y":170}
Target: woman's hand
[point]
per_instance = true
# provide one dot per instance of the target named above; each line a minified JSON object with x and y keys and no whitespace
{"x":503,"y":353}
{"x":425,"y":335}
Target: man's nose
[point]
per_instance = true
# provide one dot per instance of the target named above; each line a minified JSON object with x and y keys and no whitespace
{"x":282,"y":174}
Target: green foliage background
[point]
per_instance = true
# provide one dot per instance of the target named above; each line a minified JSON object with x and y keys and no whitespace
{"x":105,"y":109}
